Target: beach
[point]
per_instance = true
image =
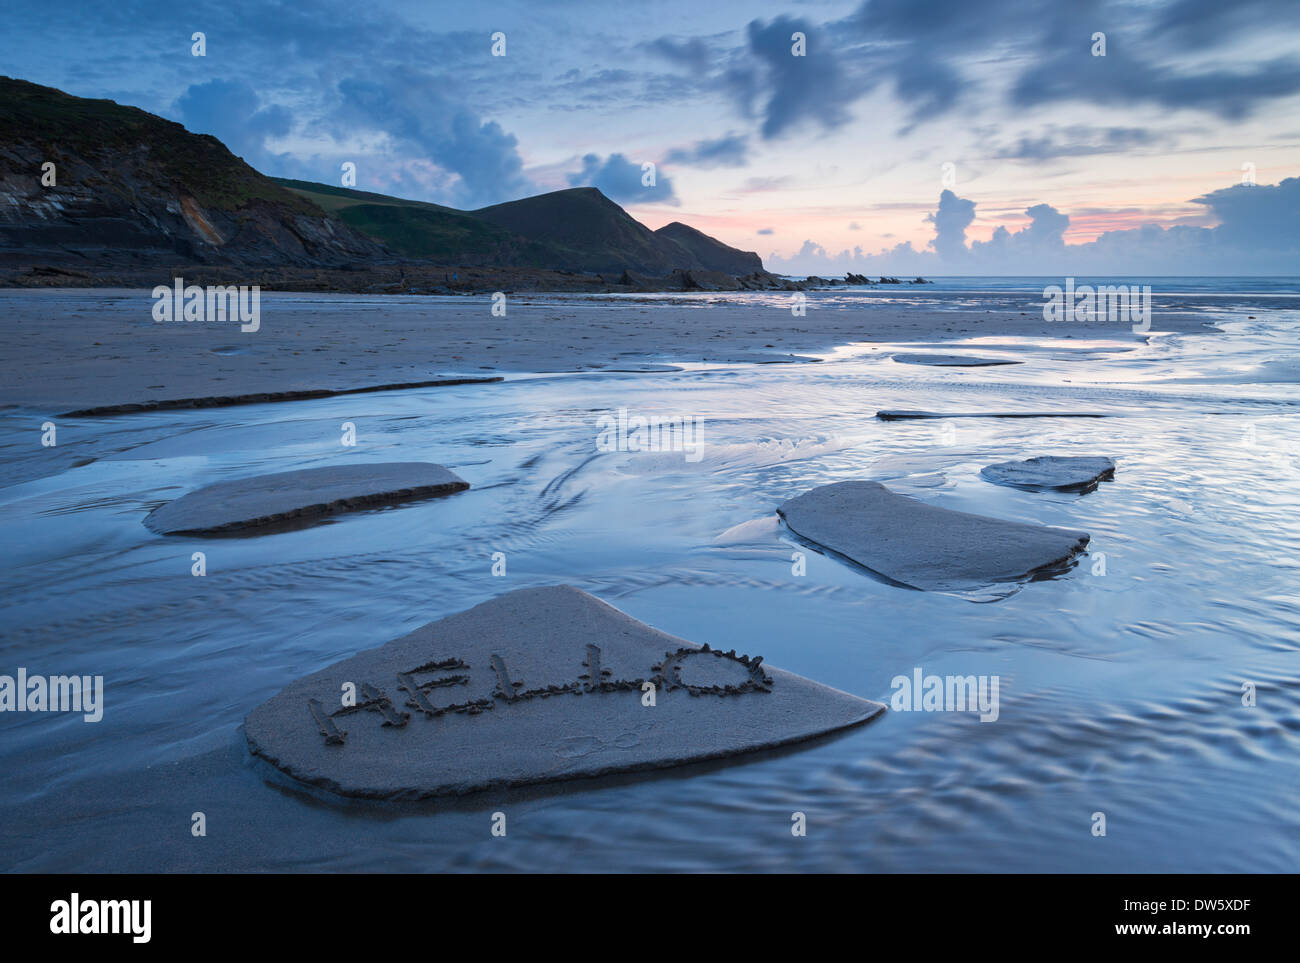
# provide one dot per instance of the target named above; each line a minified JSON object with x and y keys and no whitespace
{"x":70,"y":349}
{"x":1121,"y":680}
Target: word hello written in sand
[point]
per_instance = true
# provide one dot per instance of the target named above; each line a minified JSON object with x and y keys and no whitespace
{"x":454,"y":672}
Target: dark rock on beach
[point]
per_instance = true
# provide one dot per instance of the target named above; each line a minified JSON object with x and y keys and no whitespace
{"x":898,"y":414}
{"x":1067,"y":473}
{"x":924,"y":546}
{"x":952,"y":360}
{"x":249,"y":504}
{"x":263,"y":397}
{"x":701,"y":280}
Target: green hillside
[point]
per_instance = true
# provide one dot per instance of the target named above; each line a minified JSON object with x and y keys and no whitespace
{"x":413,"y":228}
{"x":578,"y":229}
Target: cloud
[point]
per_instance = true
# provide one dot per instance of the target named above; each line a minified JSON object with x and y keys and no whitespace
{"x":1145,"y":63}
{"x":935,"y":52}
{"x":233,"y":113}
{"x":1258,"y":232}
{"x":924,"y":48}
{"x":731,"y":150}
{"x":798,"y":89}
{"x":410,"y":108}
{"x":621,"y":180}
{"x":1117,"y":79}
{"x":288,"y":77}
{"x":760,"y":185}
{"x":813,"y":258}
{"x":1204,"y":23}
{"x":766,"y":230}
{"x":303,"y":73}
{"x":929,"y":88}
{"x":1044,"y":237}
{"x":1265,"y":217}
{"x":950,"y":222}
{"x":693,"y":53}
{"x":1046,"y":230}
{"x":1079,"y":141}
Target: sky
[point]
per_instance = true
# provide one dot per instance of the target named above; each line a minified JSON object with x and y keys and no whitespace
{"x":897,"y":136}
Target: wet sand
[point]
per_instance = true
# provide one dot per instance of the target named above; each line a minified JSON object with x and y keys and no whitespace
{"x":1121,"y":682}
{"x":69,"y":350}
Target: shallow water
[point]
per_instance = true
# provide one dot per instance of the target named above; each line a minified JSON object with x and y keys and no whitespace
{"x":1120,"y":692}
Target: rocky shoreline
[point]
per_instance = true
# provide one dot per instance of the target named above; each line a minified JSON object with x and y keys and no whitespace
{"x":400,"y":278}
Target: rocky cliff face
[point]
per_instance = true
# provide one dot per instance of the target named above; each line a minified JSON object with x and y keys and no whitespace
{"x":95,"y":184}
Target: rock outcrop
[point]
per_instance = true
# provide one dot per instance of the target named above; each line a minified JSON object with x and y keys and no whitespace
{"x":952,"y":360}
{"x":924,"y":546}
{"x":1080,"y":473}
{"x":264,"y":502}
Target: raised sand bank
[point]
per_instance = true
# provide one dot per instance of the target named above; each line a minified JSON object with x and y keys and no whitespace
{"x":69,"y":350}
